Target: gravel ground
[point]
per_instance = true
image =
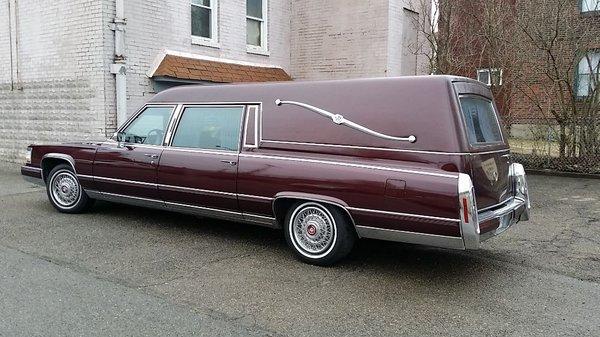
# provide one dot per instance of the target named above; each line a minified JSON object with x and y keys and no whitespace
{"x":122,"y":270}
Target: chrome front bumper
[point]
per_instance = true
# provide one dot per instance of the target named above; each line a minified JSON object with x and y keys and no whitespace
{"x":32,"y":175}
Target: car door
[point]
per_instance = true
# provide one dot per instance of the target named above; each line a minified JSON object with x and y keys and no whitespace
{"x":128,"y":166}
{"x":198,"y":170}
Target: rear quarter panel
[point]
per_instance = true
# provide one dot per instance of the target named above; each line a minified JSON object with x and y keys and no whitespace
{"x":368,"y":188}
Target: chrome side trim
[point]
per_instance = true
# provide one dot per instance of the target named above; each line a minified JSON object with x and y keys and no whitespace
{"x":261,"y":220}
{"x":184,"y":208}
{"x":193,"y":150}
{"x":317,"y":161}
{"x":195,"y":190}
{"x":250,"y":196}
{"x":125,"y":199}
{"x":410,"y":215}
{"x":173,"y":187}
{"x":452,"y":242}
{"x":381,"y":148}
{"x":204,"y":211}
{"x":123,"y":181}
{"x":340,"y":120}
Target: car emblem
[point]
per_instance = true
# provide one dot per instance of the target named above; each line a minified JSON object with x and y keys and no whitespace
{"x":490,"y":169}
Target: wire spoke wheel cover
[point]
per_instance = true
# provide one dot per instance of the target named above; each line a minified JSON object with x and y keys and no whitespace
{"x":65,"y":189}
{"x":313,"y":230}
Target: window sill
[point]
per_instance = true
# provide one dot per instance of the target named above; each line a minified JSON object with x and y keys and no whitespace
{"x":257,"y":50}
{"x":590,"y":13}
{"x":202,"y":41}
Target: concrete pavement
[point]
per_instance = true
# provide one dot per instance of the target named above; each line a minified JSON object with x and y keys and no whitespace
{"x":122,"y":270}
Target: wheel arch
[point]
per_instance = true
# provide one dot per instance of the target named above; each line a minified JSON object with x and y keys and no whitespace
{"x":284,"y":200}
{"x":51,"y":160}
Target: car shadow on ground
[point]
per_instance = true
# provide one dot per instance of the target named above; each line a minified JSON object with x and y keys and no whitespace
{"x":373,"y":255}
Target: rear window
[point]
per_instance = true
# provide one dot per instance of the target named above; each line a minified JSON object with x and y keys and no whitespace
{"x":482,"y":123}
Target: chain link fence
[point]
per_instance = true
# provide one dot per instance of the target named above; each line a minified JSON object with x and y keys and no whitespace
{"x":536,"y":144}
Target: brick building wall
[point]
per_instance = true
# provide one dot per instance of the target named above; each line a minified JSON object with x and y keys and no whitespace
{"x":523,"y":110}
{"x":62,"y":51}
{"x":56,"y":92}
{"x":524,"y":78}
{"x":159,"y":24}
{"x":344,"y":39}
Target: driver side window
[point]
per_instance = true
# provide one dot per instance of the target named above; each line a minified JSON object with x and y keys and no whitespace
{"x":148,"y":127}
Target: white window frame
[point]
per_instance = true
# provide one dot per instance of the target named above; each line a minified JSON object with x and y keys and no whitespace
{"x":583,"y":3}
{"x":213,"y":41}
{"x":591,"y":56}
{"x":263,"y":49}
{"x":489,"y":71}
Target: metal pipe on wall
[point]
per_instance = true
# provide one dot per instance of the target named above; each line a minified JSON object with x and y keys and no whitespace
{"x":118,"y":67}
{"x":13,"y":38}
{"x":12,"y":76}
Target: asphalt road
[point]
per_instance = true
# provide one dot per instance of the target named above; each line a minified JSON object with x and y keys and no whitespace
{"x":122,"y":270}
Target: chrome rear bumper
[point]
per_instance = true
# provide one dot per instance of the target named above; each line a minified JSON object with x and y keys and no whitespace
{"x":475,"y":226}
{"x":513,"y":211}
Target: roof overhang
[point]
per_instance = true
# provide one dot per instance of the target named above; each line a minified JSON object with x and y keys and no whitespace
{"x":188,"y":67}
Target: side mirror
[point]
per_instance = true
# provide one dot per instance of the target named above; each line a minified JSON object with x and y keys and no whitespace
{"x":120,"y":138}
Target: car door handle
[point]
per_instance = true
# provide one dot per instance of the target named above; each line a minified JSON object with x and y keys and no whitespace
{"x":151,"y":155}
{"x":230,"y":162}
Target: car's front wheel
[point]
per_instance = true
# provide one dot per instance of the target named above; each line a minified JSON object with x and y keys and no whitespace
{"x":318,"y":233}
{"x":65,"y":192}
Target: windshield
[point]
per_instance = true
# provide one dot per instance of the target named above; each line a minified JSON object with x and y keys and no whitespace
{"x":482,"y":123}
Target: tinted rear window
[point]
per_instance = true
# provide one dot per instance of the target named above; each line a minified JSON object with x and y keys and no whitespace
{"x":481,"y":120}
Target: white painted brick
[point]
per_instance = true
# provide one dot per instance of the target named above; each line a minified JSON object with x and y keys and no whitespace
{"x":66,"y":48}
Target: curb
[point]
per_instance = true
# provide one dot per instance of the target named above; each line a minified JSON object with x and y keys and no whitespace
{"x":563,"y":174}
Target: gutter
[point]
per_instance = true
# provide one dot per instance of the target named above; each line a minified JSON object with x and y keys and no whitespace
{"x":118,"y":67}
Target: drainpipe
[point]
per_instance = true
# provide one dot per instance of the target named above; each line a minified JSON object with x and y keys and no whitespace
{"x":118,"y":67}
{"x":13,"y":29}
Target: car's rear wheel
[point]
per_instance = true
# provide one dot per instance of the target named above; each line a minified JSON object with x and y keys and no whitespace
{"x":318,"y":233}
{"x":65,"y":191}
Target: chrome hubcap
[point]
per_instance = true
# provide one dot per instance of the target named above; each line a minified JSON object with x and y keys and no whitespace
{"x":65,"y":189}
{"x":313,"y":229}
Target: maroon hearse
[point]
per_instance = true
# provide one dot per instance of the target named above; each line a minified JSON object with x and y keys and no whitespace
{"x":413,"y":159}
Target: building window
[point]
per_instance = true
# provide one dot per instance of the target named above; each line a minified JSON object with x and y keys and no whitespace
{"x":490,"y":76}
{"x":204,"y":22}
{"x":588,"y":74}
{"x":590,"y":6}
{"x":256,"y":26}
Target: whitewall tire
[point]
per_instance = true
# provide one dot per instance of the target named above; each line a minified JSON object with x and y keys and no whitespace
{"x":318,"y":233}
{"x":65,"y":192}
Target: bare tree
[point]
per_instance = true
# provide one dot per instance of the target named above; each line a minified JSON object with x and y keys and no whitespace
{"x":538,"y":44}
{"x":556,"y":39}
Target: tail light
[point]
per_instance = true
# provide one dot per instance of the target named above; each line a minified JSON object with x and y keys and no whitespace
{"x":519,"y":186}
{"x":469,"y":222}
